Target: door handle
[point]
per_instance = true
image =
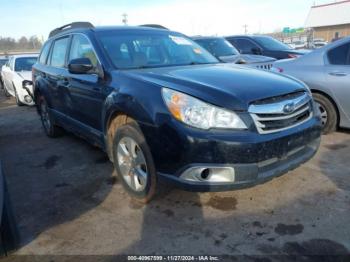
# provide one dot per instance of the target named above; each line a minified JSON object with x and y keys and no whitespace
{"x":337,"y":73}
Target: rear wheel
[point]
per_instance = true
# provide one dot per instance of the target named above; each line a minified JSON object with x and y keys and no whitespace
{"x":51,"y":130}
{"x":329,"y":116}
{"x":134,"y":163}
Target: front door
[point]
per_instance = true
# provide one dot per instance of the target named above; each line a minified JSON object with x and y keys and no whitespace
{"x":84,"y":94}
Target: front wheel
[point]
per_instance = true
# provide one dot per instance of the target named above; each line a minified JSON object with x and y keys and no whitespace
{"x":134,"y":163}
{"x":51,"y":130}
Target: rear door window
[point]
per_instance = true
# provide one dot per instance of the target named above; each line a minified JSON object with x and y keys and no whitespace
{"x":44,"y":53}
{"x":59,"y":50}
{"x":339,"y":55}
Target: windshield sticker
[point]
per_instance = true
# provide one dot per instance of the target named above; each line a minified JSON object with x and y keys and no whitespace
{"x":197,"y":51}
{"x":180,"y":40}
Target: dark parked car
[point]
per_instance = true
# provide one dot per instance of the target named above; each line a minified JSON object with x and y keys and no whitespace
{"x":264,"y":45}
{"x":162,"y":107}
{"x":225,"y":52}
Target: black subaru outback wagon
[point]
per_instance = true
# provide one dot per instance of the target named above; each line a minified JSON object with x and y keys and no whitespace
{"x":162,"y":107}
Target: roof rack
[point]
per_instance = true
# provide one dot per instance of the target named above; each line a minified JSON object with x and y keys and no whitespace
{"x":70,"y":26}
{"x":155,"y":26}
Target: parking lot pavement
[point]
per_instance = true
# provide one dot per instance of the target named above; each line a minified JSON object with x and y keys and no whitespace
{"x":67,"y":200}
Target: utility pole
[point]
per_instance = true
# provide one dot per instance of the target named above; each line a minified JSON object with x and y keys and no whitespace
{"x":245,"y":29}
{"x":125,"y":19}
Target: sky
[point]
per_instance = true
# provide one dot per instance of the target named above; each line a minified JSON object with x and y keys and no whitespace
{"x":191,"y":17}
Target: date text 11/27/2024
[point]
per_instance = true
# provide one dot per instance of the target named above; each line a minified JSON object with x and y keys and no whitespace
{"x":173,"y":258}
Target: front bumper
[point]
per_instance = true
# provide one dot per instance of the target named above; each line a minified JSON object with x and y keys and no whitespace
{"x":255,"y":158}
{"x":248,"y":175}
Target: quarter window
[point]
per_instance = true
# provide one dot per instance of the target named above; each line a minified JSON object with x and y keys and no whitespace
{"x":58,"y":55}
{"x":81,"y":48}
{"x":339,"y":55}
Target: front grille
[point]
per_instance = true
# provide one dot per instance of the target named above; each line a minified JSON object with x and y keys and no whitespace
{"x":280,"y":113}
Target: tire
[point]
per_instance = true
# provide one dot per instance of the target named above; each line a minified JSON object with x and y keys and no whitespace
{"x":18,"y":102}
{"x":329,"y":113}
{"x":47,"y":121}
{"x":133,"y":162}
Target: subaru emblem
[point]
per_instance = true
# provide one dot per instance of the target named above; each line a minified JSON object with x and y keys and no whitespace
{"x":289,"y":108}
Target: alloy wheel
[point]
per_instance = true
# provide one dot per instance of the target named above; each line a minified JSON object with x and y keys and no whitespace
{"x":132,"y":164}
{"x":324,"y":114}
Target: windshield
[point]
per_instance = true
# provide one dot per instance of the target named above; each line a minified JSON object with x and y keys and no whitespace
{"x":271,"y":43}
{"x":145,"y":49}
{"x":24,"y":63}
{"x":218,"y":47}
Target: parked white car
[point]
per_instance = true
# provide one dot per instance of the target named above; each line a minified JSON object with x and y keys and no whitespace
{"x":16,"y":75}
{"x":299,"y":45}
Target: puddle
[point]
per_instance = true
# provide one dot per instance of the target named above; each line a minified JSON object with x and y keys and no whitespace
{"x":222,"y":203}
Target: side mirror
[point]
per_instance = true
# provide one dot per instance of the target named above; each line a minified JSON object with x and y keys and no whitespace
{"x":80,"y":66}
{"x":256,"y":51}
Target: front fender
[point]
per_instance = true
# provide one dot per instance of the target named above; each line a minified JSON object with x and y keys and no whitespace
{"x":120,"y":103}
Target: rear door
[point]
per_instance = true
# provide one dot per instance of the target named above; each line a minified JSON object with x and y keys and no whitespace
{"x":85,"y":93}
{"x":41,"y":68}
{"x":338,"y":75}
{"x":56,"y":76}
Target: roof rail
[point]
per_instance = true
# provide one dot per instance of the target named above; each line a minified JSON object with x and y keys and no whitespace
{"x":70,"y":26}
{"x":155,"y":26}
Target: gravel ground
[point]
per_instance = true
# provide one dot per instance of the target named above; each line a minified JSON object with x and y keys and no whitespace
{"x":68,"y":201}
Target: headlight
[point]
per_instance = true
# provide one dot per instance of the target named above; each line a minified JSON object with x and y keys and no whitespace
{"x":199,"y":114}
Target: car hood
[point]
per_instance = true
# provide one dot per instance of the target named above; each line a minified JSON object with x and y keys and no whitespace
{"x":249,"y":59}
{"x":26,"y":75}
{"x":224,"y":85}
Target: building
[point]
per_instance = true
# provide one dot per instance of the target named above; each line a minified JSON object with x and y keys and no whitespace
{"x":329,"y":21}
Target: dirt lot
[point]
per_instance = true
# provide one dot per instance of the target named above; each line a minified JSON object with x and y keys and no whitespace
{"x":67,"y":200}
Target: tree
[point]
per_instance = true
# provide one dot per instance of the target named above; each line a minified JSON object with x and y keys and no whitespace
{"x":23,"y":43}
{"x":8,"y":44}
